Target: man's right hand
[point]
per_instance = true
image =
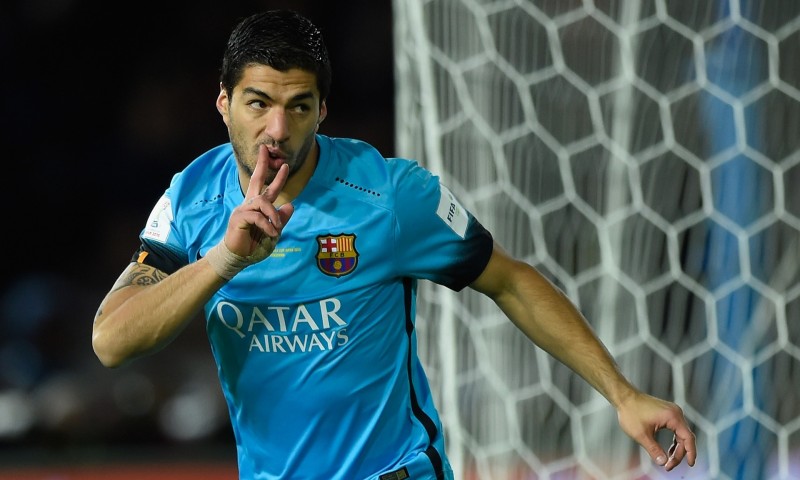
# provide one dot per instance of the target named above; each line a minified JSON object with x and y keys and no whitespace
{"x":255,"y":226}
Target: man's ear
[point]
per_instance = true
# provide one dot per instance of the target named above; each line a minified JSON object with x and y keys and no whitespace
{"x":323,"y":112}
{"x":223,"y":103}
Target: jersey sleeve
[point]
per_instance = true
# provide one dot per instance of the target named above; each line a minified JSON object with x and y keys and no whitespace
{"x":161,"y":246}
{"x":436,"y":237}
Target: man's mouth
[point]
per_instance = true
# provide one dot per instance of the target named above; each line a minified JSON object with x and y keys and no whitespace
{"x":276,"y":158}
{"x":275,"y":153}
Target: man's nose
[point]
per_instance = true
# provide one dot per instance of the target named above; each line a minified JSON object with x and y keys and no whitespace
{"x":277,"y":126}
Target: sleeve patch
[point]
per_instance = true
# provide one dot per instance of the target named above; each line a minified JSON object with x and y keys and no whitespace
{"x":158,"y":224}
{"x":451,"y":211}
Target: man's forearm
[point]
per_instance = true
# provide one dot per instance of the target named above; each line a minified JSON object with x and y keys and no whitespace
{"x":146,"y":310}
{"x":551,"y":321}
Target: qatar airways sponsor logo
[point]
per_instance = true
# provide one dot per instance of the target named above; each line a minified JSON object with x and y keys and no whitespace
{"x":302,"y":328}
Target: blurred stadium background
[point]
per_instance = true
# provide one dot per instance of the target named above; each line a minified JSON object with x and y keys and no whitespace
{"x":645,"y":155}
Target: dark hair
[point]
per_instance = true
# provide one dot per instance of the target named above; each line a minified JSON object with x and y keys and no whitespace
{"x":281,"y":39}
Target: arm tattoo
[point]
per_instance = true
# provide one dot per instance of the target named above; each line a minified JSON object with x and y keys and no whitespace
{"x":135,"y":274}
{"x":146,"y":278}
{"x":141,"y":275}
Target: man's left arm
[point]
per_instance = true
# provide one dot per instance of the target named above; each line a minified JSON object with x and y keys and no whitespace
{"x":551,"y":321}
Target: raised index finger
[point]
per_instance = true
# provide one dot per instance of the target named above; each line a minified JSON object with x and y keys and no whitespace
{"x":259,"y":173}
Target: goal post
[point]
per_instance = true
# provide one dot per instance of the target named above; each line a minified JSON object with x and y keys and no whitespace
{"x":644,"y":156}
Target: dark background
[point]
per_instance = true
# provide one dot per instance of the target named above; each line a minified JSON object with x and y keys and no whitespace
{"x":101,"y":103}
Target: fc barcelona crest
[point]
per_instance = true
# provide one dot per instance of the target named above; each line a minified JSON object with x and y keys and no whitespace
{"x":337,"y":254}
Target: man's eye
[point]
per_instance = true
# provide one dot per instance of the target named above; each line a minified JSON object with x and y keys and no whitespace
{"x":257,"y":104}
{"x":301,"y":108}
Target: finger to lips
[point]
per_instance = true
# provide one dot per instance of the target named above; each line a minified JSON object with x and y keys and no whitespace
{"x":259,"y":174}
{"x":259,"y":197}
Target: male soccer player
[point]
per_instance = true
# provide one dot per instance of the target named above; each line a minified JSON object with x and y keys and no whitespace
{"x":304,"y":252}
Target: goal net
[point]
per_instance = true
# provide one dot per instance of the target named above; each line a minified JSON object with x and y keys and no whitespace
{"x":645,"y":156}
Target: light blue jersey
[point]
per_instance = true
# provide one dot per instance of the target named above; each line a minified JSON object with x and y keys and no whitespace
{"x":316,"y":346}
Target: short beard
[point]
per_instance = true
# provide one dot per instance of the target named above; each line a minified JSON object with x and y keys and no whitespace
{"x":295,"y":161}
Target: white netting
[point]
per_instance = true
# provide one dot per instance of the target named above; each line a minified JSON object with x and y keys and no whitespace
{"x":645,"y":156}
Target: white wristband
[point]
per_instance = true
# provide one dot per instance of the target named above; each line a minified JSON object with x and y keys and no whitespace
{"x":226,"y":263}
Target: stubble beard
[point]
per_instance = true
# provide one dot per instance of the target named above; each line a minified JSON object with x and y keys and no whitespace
{"x":247,"y":162}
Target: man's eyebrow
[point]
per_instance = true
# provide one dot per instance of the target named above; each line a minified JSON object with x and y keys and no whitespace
{"x":297,"y":98}
{"x":303,"y":96}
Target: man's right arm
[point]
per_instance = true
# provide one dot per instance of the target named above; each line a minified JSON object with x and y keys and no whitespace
{"x":146,"y":309}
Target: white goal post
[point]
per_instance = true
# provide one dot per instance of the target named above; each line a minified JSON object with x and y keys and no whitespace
{"x":645,"y":156}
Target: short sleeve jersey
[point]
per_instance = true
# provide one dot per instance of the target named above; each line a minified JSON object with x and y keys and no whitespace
{"x":316,"y":345}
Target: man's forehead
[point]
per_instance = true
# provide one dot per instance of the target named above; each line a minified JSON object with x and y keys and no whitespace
{"x":262,"y":79}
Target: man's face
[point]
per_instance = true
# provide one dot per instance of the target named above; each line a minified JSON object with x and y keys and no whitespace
{"x":281,"y":110}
